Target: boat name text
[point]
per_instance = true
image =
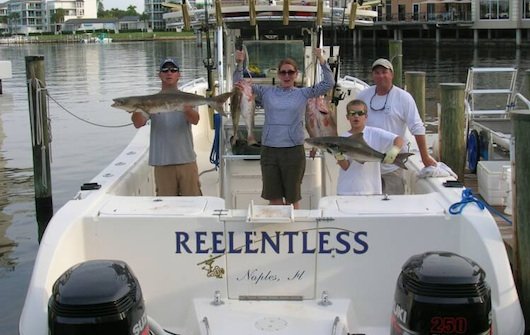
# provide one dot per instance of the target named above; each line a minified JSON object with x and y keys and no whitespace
{"x":252,"y":242}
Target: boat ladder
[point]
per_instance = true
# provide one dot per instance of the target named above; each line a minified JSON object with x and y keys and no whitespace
{"x":490,"y":91}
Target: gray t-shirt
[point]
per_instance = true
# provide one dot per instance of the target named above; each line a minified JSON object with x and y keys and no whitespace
{"x":171,"y":139}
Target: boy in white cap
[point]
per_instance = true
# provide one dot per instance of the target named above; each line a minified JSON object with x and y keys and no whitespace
{"x":393,"y":109}
{"x":171,"y":144}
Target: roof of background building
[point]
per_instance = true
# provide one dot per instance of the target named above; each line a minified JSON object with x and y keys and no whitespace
{"x":129,"y":18}
{"x":79,"y":21}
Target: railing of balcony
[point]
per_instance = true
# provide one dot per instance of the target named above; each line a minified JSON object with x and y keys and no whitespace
{"x":435,"y":17}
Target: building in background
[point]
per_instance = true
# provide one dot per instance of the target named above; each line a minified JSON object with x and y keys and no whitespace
{"x":60,"y":11}
{"x":41,"y":16}
{"x":397,"y":19}
{"x":155,"y":11}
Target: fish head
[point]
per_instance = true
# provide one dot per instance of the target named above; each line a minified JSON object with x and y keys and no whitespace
{"x":123,"y":103}
{"x":328,"y":143}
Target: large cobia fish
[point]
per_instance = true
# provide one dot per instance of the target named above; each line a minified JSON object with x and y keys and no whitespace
{"x":169,"y":101}
{"x":320,"y":118}
{"x":356,"y":148}
{"x":243,"y":104}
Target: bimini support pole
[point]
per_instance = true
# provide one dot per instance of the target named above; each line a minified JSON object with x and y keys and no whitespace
{"x":285,"y":12}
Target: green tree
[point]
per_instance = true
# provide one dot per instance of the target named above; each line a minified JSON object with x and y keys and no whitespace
{"x":57,"y":19}
{"x":144,"y":17}
{"x":13,"y":21}
{"x":131,"y":11}
{"x":101,"y":9}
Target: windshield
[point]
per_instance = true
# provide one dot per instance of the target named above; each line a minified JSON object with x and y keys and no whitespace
{"x":265,"y":55}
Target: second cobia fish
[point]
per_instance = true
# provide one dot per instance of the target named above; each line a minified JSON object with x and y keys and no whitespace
{"x":319,"y":118}
{"x":243,"y":104}
{"x":169,"y":101}
{"x":356,"y":148}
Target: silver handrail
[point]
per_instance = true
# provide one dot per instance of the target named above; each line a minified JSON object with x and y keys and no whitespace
{"x":523,"y":99}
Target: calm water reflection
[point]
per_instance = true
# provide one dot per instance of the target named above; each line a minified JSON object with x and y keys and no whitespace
{"x":85,"y":78}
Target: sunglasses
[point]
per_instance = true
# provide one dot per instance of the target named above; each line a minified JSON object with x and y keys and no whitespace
{"x":358,"y":113}
{"x":170,"y":69}
{"x":290,"y":72}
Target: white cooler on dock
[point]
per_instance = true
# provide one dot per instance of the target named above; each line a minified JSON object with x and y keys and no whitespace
{"x":491,"y":185}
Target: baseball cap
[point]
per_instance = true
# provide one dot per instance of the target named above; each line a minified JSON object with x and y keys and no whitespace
{"x":384,"y":63}
{"x":169,"y":61}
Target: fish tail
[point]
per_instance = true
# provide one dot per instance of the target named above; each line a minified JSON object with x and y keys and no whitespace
{"x":219,"y":101}
{"x":401,"y":159}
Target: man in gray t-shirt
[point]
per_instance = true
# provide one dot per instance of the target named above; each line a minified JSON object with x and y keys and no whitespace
{"x":171,"y":144}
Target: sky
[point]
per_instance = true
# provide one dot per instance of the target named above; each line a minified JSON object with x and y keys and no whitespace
{"x":123,"y":4}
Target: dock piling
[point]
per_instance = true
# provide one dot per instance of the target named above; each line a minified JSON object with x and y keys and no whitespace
{"x":415,"y":85}
{"x":527,"y":82}
{"x":39,"y":121}
{"x":521,"y":212}
{"x":452,"y":127}
{"x":395,"y":55}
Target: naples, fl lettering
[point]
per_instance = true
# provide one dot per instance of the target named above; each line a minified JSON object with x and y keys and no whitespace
{"x":252,"y":242}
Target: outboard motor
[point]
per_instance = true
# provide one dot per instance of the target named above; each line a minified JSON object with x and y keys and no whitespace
{"x":97,"y":297}
{"x":441,"y":293}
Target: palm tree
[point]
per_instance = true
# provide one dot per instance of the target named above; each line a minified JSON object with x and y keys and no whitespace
{"x":101,"y":8}
{"x":144,"y":17}
{"x":57,"y":19}
{"x":3,"y":20}
{"x":131,"y":11}
{"x":13,"y":18}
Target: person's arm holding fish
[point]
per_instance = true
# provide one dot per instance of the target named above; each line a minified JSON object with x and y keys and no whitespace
{"x":139,"y":118}
{"x":321,"y":87}
{"x":192,"y":115}
{"x":327,"y":82}
{"x":391,"y":154}
{"x":238,"y":72}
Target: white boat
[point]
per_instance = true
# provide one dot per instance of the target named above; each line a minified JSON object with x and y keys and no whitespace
{"x":226,"y":263}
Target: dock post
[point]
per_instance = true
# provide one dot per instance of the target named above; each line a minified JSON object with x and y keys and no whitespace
{"x":521,"y":212}
{"x":452,"y":127}
{"x":395,"y":55}
{"x":415,"y":85}
{"x":40,"y":137}
{"x":527,"y":78}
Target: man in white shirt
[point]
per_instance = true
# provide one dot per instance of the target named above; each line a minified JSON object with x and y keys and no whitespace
{"x":393,"y":109}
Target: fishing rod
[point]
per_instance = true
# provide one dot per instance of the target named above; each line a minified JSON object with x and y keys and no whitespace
{"x":334,"y":63}
{"x":208,"y":62}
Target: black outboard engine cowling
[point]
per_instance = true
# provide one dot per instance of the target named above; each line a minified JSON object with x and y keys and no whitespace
{"x":97,"y":297}
{"x":441,"y":293}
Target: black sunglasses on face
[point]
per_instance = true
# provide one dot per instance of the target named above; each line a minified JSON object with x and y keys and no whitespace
{"x":290,"y":72}
{"x":168,"y":69}
{"x":354,"y":112}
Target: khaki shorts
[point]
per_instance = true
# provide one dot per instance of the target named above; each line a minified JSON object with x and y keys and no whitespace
{"x":180,"y":179}
{"x":282,"y":170}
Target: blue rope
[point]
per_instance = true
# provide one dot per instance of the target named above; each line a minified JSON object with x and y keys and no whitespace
{"x":214,"y":154}
{"x":467,"y":198}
